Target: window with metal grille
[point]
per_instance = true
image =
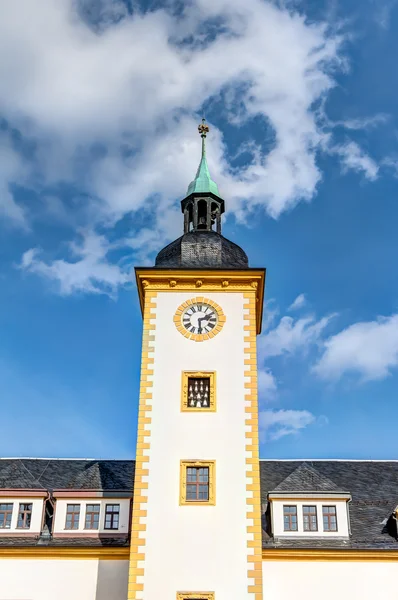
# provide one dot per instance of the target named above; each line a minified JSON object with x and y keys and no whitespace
{"x":290,"y":518}
{"x":92,"y":516}
{"x":112,"y":516}
{"x":329,"y":518}
{"x":72,"y":516}
{"x":198,"y":391}
{"x":310,"y":518}
{"x":24,"y":516}
{"x":197,"y":484}
{"x":5,"y":516}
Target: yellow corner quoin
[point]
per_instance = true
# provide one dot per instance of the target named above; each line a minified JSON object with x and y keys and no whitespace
{"x":196,"y":337}
{"x":253,"y":509}
{"x":212,"y":393}
{"x":151,"y":279}
{"x":140,"y":498}
{"x":184,"y":464}
{"x":325,"y":555}
{"x":195,"y":596}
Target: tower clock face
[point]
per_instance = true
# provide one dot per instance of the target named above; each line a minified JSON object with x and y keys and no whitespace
{"x":200,"y":318}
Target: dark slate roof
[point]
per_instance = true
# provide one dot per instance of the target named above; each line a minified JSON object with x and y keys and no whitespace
{"x":373,"y":486}
{"x":307,"y":479}
{"x":202,"y":249}
{"x":64,"y":542}
{"x":60,"y":474}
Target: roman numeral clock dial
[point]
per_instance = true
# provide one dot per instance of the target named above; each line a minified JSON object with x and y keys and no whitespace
{"x":199,"y":319}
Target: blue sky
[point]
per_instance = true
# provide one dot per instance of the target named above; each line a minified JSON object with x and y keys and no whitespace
{"x":99,"y":103}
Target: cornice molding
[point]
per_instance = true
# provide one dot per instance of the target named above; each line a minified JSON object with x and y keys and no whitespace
{"x":323,"y":555}
{"x":203,"y":280}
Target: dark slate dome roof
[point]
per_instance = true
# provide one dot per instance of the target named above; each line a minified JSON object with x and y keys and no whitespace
{"x":202,"y":249}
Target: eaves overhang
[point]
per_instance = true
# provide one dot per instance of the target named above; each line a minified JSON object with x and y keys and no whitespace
{"x":309,"y":496}
{"x":202,"y":280}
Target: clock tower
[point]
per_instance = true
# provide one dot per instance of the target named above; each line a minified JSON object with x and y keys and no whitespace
{"x":196,"y":524}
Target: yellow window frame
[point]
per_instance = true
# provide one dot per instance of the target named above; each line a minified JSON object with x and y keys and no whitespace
{"x":211,"y":465}
{"x":195,"y":596}
{"x":184,"y":391}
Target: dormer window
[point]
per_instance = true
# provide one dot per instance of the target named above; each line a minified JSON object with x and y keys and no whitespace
{"x":72,"y":516}
{"x":329,"y":518}
{"x":290,"y":518}
{"x":24,"y":516}
{"x":310,"y":519}
{"x":5,"y":516}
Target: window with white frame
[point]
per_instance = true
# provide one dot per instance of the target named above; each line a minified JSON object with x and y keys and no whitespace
{"x":5,"y":515}
{"x":290,"y":518}
{"x":310,"y":518}
{"x":329,"y":518}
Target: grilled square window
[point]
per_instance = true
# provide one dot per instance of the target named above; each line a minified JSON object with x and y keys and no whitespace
{"x":92,"y":516}
{"x":198,"y":391}
{"x":310,"y":518}
{"x":197,"y":482}
{"x":329,"y":518}
{"x":24,"y":516}
{"x":290,"y":518}
{"x":112,"y":516}
{"x":5,"y":516}
{"x":72,"y":516}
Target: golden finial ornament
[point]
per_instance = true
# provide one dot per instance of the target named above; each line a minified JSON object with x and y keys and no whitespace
{"x":203,"y":128}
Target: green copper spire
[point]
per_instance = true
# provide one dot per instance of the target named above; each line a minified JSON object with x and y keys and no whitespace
{"x":203,"y":183}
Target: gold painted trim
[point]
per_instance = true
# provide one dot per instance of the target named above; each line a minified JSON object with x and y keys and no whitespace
{"x":151,"y":279}
{"x":253,"y":502}
{"x":140,"y":498}
{"x":211,"y":464}
{"x":196,"y":337}
{"x":320,"y":555}
{"x":195,"y":596}
{"x":184,"y":391}
{"x":51,"y":553}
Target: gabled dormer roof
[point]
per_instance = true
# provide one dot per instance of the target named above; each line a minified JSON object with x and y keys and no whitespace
{"x":306,"y":479}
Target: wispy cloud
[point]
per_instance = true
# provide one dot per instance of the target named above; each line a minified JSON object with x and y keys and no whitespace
{"x":90,"y":271}
{"x":353,"y":157}
{"x":298,"y":303}
{"x":275,"y":424}
{"x":368,"y":349}
{"x":291,"y":335}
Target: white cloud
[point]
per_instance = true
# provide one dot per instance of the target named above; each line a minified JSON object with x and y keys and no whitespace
{"x":353,"y":157}
{"x":298,"y":303}
{"x":267,"y":385}
{"x":275,"y":424}
{"x":368,"y":349}
{"x":12,"y":170}
{"x":112,"y":109}
{"x":69,"y":86}
{"x":363,"y":123}
{"x":383,"y":12}
{"x":291,"y":335}
{"x":91,"y":272}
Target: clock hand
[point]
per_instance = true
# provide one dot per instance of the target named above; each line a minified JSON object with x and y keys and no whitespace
{"x":207,"y":317}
